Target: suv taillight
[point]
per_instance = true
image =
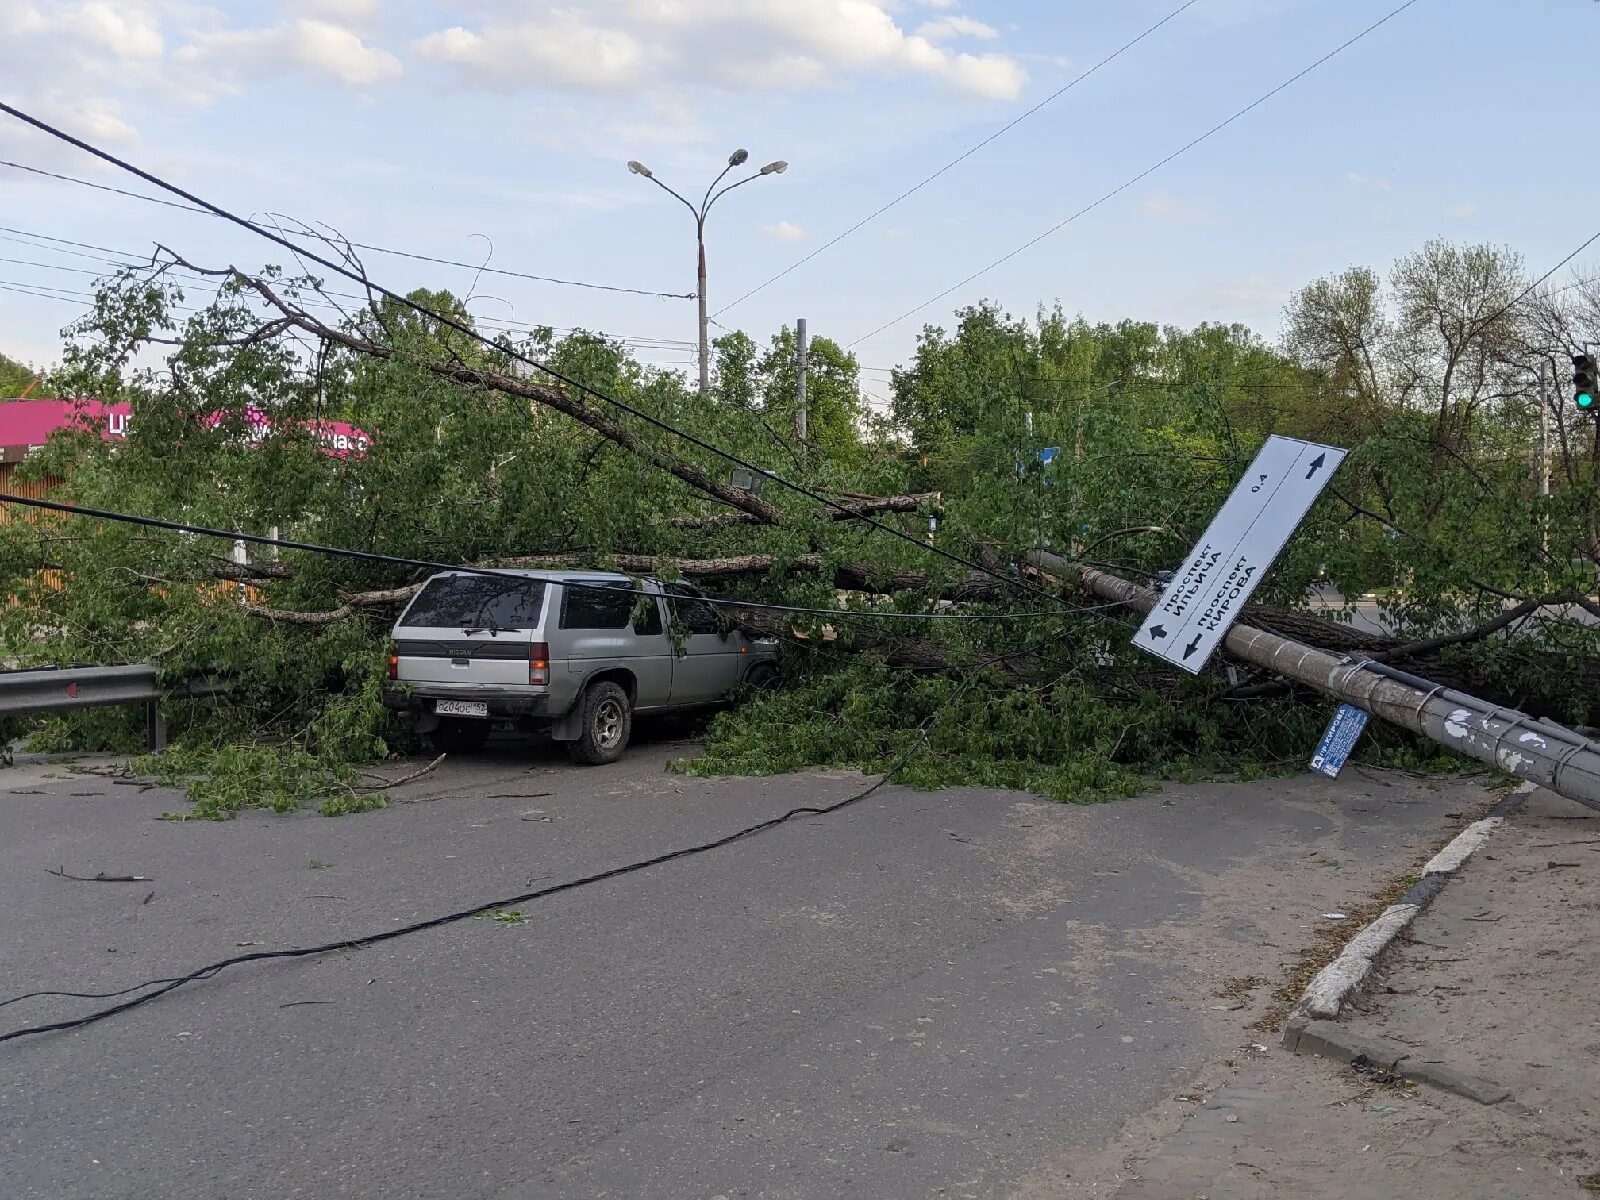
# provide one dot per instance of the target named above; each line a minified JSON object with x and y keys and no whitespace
{"x":539,"y":663}
{"x":394,"y":665}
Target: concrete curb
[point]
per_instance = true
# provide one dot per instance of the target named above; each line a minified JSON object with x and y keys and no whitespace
{"x":1326,"y":994}
{"x":1336,"y":1042}
{"x":1313,"y":1027}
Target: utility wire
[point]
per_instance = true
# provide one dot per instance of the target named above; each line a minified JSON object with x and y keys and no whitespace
{"x":423,"y":310}
{"x":102,"y":514}
{"x":68,"y":296}
{"x":201,"y":207}
{"x":499,"y":324}
{"x":120,"y":259}
{"x":964,"y":155}
{"x":1146,"y":173}
{"x":521,"y":274}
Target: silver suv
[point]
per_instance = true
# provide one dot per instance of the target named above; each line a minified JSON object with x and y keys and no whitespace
{"x":573,"y":653}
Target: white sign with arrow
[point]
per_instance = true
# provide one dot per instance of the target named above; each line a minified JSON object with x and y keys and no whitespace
{"x":1212,"y":587}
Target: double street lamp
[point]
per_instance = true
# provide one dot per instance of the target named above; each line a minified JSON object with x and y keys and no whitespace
{"x":737,"y":159}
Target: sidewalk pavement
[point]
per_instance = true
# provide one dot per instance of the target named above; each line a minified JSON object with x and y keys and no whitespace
{"x":1496,"y":979}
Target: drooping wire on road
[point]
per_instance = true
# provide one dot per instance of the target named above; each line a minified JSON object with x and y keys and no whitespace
{"x":170,"y":983}
{"x":543,"y":367}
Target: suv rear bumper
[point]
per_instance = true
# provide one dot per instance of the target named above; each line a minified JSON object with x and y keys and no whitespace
{"x":503,"y":702}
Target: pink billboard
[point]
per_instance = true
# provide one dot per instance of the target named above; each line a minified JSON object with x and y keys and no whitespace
{"x":26,"y":424}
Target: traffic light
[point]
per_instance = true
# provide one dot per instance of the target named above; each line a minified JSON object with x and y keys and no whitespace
{"x":1585,"y":383}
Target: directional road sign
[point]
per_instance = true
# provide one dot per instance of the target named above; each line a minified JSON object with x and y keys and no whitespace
{"x":1210,"y":590}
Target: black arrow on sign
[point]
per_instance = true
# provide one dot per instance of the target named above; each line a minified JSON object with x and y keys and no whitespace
{"x":1158,"y":631}
{"x":1191,"y":647}
{"x":1316,"y":464}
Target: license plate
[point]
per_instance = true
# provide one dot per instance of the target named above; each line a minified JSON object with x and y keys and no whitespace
{"x":461,"y":708}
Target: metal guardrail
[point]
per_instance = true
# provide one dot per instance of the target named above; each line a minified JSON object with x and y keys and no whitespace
{"x":53,"y":689}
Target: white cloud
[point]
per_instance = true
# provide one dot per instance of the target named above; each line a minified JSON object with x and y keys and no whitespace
{"x":564,"y":51}
{"x":72,"y":62}
{"x":126,"y":30}
{"x":956,"y":27}
{"x":347,"y":12}
{"x":783,"y":231}
{"x":21,"y":20}
{"x":306,"y":43}
{"x":1464,"y":211}
{"x":1164,"y":206}
{"x":740,"y":45}
{"x":1363,"y":181}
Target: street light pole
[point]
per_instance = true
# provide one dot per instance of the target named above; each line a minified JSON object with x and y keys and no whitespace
{"x":737,"y":159}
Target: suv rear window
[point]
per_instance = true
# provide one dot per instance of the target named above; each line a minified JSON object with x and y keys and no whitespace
{"x":478,"y":602}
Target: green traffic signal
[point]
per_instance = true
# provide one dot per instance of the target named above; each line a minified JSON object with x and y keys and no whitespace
{"x":1585,"y":382}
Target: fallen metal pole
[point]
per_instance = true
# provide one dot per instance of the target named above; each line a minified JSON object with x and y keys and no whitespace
{"x":1530,"y":748}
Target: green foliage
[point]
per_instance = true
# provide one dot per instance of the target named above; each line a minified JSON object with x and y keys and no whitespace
{"x":223,"y":780}
{"x":1060,"y":739}
{"x":14,"y":377}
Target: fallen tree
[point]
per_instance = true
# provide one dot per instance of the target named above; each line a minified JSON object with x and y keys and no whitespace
{"x":474,"y":462}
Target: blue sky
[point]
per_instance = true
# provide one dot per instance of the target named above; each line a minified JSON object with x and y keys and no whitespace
{"x":442,"y":126}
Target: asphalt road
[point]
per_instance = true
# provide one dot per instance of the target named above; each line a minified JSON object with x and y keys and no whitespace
{"x":957,"y":993}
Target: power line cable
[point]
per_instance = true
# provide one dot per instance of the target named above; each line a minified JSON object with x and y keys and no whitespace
{"x":47,"y":287}
{"x":487,"y":270}
{"x":644,"y":340}
{"x":201,"y":207}
{"x":45,"y":237}
{"x":1146,"y":173}
{"x":499,"y":324}
{"x":965,"y":154}
{"x":576,"y":385}
{"x":102,"y":514}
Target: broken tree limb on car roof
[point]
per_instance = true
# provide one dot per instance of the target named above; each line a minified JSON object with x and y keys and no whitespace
{"x":1531,"y":748}
{"x":855,"y":577}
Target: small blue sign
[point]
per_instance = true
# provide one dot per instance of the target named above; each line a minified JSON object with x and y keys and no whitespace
{"x":1045,"y":457}
{"x":1338,"y":740}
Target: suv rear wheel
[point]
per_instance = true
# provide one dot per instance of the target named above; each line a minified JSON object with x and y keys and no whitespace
{"x":606,"y":722}
{"x":459,"y":735}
